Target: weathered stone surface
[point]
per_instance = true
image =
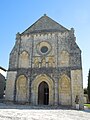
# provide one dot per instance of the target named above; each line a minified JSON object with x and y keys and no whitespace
{"x":45,"y":24}
{"x":46,"y":52}
{"x":76,"y":86}
{"x":2,"y":85}
{"x":10,"y":86}
{"x":64,"y":90}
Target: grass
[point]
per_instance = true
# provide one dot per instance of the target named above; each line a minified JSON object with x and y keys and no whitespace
{"x":88,"y":105}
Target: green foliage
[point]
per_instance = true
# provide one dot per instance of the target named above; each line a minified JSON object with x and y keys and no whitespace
{"x":88,"y":88}
{"x":88,"y":105}
{"x":85,"y":91}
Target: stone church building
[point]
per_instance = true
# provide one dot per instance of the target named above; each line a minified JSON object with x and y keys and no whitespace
{"x":45,"y":66}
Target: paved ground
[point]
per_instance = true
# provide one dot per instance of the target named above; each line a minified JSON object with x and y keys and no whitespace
{"x":25,"y":112}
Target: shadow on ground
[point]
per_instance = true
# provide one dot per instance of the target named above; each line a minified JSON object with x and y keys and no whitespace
{"x":44,"y":107}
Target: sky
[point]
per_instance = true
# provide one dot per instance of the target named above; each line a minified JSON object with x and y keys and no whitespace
{"x":18,"y":15}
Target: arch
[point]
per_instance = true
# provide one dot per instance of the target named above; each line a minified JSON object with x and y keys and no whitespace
{"x":24,"y":60}
{"x":34,"y":88}
{"x":43,"y":93}
{"x":36,"y":62}
{"x":64,"y":58}
{"x":64,"y":90}
{"x":51,"y":62}
{"x":43,"y":61}
{"x":21,"y":89}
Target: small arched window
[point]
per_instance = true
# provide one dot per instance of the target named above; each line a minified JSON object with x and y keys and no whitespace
{"x":24,"y":60}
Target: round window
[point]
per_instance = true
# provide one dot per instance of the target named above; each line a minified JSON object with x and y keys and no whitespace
{"x":44,"y":49}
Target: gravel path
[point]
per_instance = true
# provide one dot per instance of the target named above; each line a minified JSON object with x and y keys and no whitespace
{"x":23,"y":112}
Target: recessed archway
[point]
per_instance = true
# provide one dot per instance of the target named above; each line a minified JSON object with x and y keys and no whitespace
{"x":36,"y":86}
{"x":64,"y":90}
{"x":43,"y":93}
{"x":21,"y":89}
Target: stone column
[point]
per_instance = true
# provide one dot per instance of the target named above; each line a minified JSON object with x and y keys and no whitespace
{"x":56,"y":92}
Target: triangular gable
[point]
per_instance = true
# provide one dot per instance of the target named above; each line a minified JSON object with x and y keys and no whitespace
{"x":45,"y":23}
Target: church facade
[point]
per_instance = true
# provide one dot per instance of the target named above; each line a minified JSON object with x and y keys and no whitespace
{"x":45,"y":66}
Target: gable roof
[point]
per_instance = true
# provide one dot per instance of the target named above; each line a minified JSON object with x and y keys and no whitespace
{"x":44,"y":24}
{"x":3,"y":69}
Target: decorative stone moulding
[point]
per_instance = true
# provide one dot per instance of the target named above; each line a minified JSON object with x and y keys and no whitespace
{"x":43,"y":48}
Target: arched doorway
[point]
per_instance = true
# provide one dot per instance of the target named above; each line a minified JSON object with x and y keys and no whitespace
{"x":35,"y":86}
{"x":43,"y":93}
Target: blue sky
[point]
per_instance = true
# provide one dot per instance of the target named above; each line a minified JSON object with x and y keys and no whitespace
{"x":17,"y":15}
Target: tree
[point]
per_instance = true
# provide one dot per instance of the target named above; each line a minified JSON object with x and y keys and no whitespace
{"x":88,"y":87}
{"x":85,"y":91}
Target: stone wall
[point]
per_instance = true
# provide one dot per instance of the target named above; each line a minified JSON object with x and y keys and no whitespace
{"x":2,"y":85}
{"x":77,"y":86}
{"x":10,"y":85}
{"x":49,"y":55}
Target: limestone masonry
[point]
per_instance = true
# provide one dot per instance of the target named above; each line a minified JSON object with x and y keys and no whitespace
{"x":45,"y":66}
